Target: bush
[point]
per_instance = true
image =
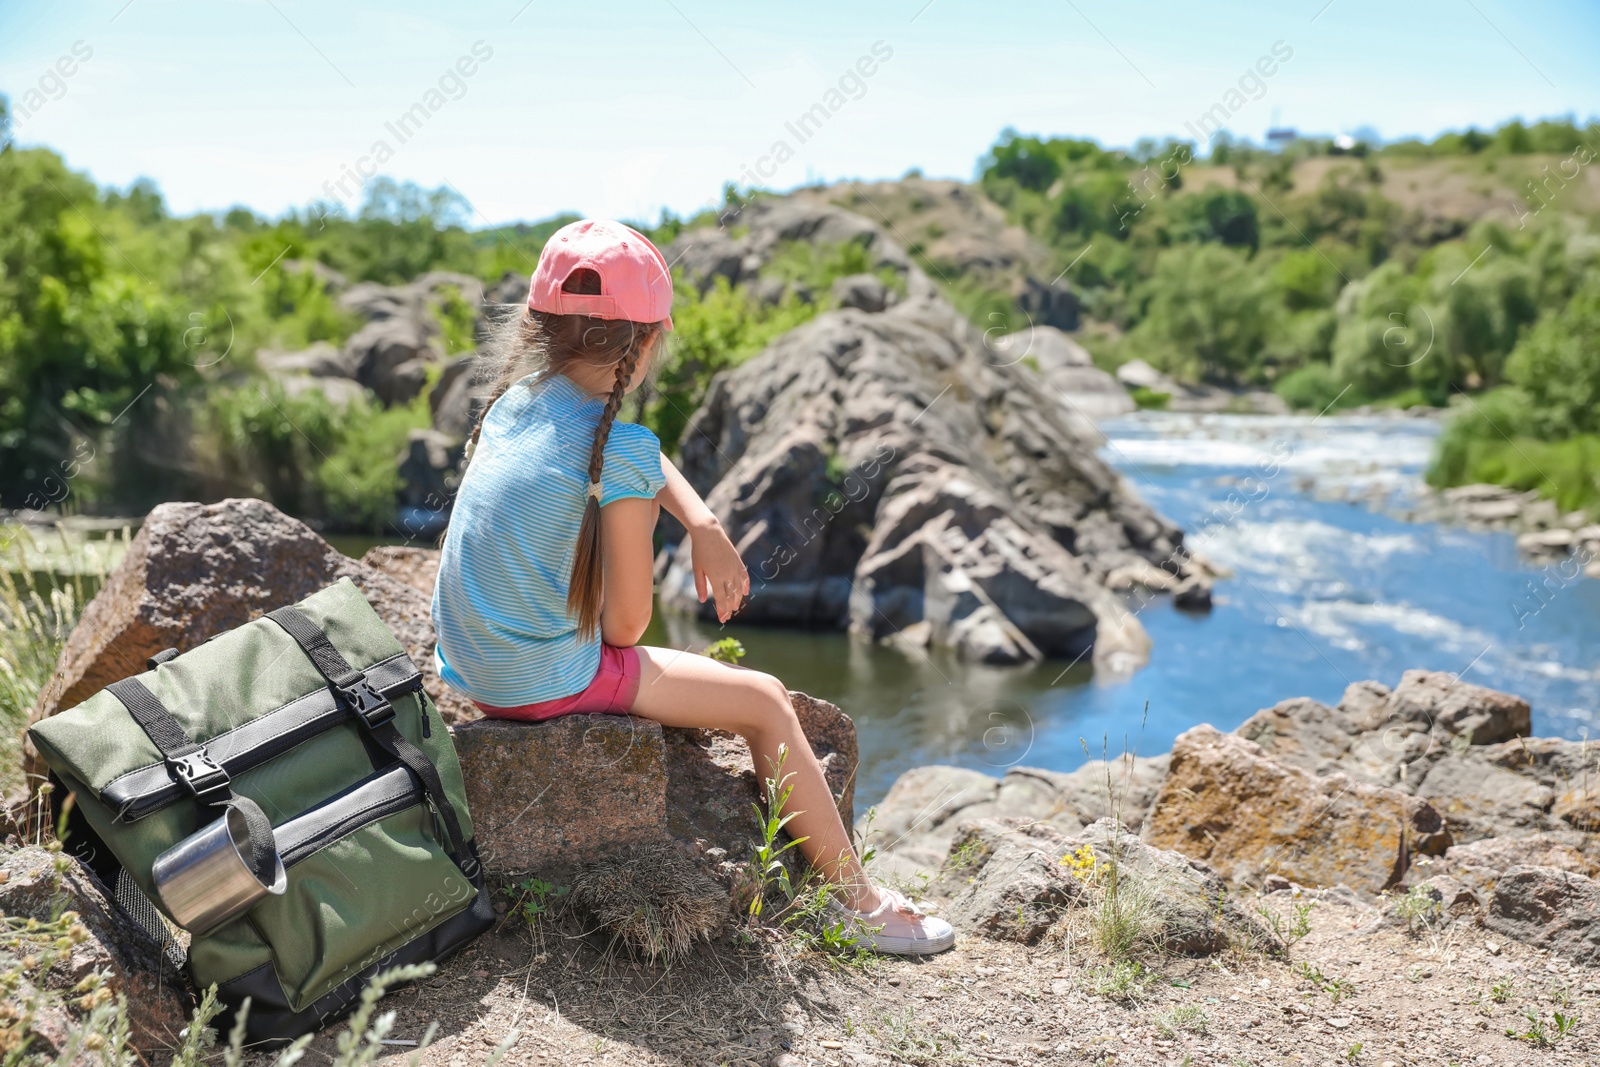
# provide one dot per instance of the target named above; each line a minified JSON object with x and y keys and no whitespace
{"x":1313,"y":387}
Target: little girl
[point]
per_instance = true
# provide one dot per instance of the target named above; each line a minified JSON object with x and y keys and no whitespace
{"x":546,"y":581}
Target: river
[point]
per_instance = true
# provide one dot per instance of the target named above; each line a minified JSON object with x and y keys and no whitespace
{"x":1331,"y":584}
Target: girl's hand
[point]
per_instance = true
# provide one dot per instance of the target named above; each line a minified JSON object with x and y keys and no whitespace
{"x":718,"y":570}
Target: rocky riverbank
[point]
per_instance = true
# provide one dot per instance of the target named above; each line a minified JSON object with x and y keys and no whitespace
{"x":1404,"y":877}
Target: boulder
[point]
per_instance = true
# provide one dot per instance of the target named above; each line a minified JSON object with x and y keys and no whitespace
{"x":1068,"y":372}
{"x":806,"y":452}
{"x":546,"y":797}
{"x":429,"y":465}
{"x":1018,"y":891}
{"x":1226,"y":802}
{"x":1480,"y":864}
{"x":194,"y":570}
{"x":36,"y":883}
{"x":918,"y":821}
{"x":321,"y":360}
{"x":1548,"y":908}
{"x":1137,"y":374}
{"x":338,"y":392}
{"x":1190,"y":909}
{"x":864,"y":291}
{"x":457,"y":398}
{"x":391,"y":356}
{"x":1046,"y":303}
{"x":512,"y":288}
{"x":416,"y":567}
{"x":1014,"y":878}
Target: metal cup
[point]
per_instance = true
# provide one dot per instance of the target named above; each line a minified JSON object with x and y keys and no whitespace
{"x":204,"y":880}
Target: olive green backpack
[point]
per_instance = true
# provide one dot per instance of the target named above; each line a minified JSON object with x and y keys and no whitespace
{"x":310,"y":727}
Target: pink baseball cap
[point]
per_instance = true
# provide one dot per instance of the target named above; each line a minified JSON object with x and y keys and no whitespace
{"x":635,"y":283}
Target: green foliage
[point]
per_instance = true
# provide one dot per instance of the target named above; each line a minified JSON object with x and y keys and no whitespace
{"x":713,"y":332}
{"x":307,"y":456}
{"x":726,"y":650}
{"x":1541,"y":432}
{"x":1207,"y":313}
{"x":769,"y":869}
{"x":1147,"y":398}
{"x":535,"y":899}
{"x":42,"y":596}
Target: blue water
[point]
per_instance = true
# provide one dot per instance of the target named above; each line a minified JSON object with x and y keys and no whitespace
{"x":1323,"y":593}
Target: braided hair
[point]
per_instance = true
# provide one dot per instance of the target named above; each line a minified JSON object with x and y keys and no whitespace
{"x":539,"y":342}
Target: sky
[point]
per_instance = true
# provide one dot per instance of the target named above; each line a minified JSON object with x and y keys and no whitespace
{"x":528,"y":108}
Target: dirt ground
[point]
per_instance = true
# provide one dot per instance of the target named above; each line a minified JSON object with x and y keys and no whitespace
{"x":1358,"y":988}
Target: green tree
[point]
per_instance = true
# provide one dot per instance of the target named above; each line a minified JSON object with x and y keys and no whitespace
{"x":1208,"y":312}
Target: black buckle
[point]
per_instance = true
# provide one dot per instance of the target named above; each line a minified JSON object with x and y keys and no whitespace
{"x":372,"y":706}
{"x":203,"y":775}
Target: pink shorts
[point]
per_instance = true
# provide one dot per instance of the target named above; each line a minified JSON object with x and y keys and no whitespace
{"x":611,"y":692}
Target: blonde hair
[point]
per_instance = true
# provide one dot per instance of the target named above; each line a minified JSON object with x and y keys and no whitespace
{"x":536,"y":342}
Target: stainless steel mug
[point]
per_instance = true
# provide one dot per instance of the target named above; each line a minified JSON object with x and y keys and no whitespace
{"x":204,"y":880}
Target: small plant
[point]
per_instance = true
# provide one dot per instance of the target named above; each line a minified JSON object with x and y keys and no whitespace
{"x":1295,"y":929}
{"x":1336,"y":988}
{"x":1503,"y":989}
{"x":1419,"y":909}
{"x":1353,"y":1053}
{"x":726,"y":650}
{"x":1120,"y":980}
{"x":536,"y":898}
{"x":769,"y":868}
{"x":1082,"y":863}
{"x":1190,"y":1017}
{"x":1534,"y":1033}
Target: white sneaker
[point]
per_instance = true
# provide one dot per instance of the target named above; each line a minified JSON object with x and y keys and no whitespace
{"x":896,"y":927}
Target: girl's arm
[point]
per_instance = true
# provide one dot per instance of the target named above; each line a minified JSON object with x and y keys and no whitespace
{"x":718,"y":570}
{"x":627,"y":561}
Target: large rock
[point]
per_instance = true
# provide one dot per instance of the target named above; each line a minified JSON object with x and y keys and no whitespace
{"x":457,"y":398}
{"x":918,"y":821}
{"x":551,"y":795}
{"x":1549,"y":908}
{"x":806,"y":452}
{"x":1226,"y":802}
{"x":1480,"y":864}
{"x":1088,"y":393}
{"x":1462,"y":747}
{"x":392,"y":355}
{"x":194,"y":570}
{"x":1017,"y":888}
{"x":33,"y":886}
{"x":1012,"y":882}
{"x":548,"y":796}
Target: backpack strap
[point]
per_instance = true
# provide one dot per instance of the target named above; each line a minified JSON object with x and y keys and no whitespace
{"x":376,"y":715}
{"x":192,"y":765}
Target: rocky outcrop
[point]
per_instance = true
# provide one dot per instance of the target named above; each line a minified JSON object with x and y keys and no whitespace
{"x":1013,"y":879}
{"x":921,"y":816}
{"x":1461,"y":747}
{"x":549,"y":796}
{"x":1549,"y":908}
{"x":880,"y":470}
{"x":1067,"y":371}
{"x":196,"y":570}
{"x":42,"y":885}
{"x":1226,"y":802}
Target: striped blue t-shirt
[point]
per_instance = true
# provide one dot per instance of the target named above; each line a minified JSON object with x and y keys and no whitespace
{"x":500,"y":605}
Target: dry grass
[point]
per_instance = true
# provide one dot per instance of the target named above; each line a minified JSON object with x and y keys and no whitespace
{"x":654,"y":901}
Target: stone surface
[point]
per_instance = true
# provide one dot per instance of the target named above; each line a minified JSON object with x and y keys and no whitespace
{"x":1226,"y":802}
{"x":196,"y":570}
{"x":1192,"y":909}
{"x":416,"y":567}
{"x":1479,"y":864}
{"x":1548,"y":908}
{"x":918,"y":821}
{"x":547,"y":796}
{"x":1016,"y":889}
{"x":158,"y":1003}
{"x":864,"y":291}
{"x":457,"y":397}
{"x":864,"y":461}
{"x":1087,"y":392}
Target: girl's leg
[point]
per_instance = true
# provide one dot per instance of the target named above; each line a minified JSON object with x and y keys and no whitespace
{"x":684,"y":689}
